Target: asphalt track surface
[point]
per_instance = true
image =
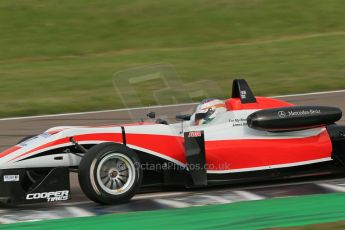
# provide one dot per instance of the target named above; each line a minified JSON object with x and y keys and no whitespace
{"x":13,"y":130}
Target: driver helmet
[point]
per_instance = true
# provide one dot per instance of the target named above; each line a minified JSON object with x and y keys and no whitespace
{"x":208,"y":110}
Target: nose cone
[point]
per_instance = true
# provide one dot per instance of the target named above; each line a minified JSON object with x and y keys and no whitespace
{"x":5,"y":155}
{"x":9,"y":151}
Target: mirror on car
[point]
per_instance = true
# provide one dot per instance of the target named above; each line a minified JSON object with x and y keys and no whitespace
{"x":185,"y":117}
{"x":151,"y":115}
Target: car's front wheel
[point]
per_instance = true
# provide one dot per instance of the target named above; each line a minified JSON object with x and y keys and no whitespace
{"x":110,"y":173}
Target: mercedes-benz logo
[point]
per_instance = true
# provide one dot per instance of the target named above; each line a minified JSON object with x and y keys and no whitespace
{"x":281,"y":114}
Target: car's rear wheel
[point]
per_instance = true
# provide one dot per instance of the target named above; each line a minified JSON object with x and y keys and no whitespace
{"x":110,"y":173}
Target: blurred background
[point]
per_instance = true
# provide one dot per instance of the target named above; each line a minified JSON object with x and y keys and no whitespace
{"x":61,"y":56}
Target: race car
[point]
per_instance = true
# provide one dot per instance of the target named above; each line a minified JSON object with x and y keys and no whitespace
{"x":241,"y":139}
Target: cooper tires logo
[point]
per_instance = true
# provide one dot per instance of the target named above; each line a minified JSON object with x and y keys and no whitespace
{"x":50,"y":196}
{"x":281,"y":114}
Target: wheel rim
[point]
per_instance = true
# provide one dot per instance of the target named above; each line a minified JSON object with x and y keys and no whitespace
{"x":116,"y":173}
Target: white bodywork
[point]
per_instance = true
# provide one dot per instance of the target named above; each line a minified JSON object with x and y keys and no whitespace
{"x":229,"y":126}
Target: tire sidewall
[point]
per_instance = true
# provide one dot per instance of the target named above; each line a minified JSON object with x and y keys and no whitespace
{"x":93,"y":159}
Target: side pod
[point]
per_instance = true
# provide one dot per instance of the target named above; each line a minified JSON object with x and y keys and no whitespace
{"x":195,"y":154}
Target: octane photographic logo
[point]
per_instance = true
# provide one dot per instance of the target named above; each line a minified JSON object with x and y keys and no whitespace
{"x":160,"y":85}
{"x":166,"y":166}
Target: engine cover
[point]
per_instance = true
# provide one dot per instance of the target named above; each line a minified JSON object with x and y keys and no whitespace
{"x":293,"y":118}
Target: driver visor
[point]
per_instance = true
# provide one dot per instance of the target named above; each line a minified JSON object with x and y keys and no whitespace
{"x":200,"y":116}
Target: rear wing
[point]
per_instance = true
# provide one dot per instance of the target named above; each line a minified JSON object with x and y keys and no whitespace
{"x":241,"y":89}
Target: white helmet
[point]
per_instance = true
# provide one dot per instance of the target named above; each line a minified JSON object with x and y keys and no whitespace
{"x":207,"y":111}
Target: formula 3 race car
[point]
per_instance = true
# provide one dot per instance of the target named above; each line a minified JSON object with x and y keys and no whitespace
{"x":242,"y":139}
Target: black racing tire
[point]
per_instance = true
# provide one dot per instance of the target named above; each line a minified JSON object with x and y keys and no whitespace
{"x":95,"y":168}
{"x":25,"y":139}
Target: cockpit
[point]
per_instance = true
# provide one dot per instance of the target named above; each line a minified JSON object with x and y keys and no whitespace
{"x":207,"y":111}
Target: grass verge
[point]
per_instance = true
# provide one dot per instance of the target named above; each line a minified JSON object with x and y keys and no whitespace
{"x":61,"y":56}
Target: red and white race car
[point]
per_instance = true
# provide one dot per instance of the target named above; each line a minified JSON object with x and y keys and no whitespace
{"x":243,"y":138}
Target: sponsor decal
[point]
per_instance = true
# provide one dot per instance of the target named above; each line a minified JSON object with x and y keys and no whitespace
{"x":291,"y":113}
{"x":194,"y":134}
{"x":11,"y":178}
{"x":238,"y":122}
{"x":243,"y":94}
{"x":50,"y":196}
{"x":281,"y":114}
{"x":43,"y":135}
